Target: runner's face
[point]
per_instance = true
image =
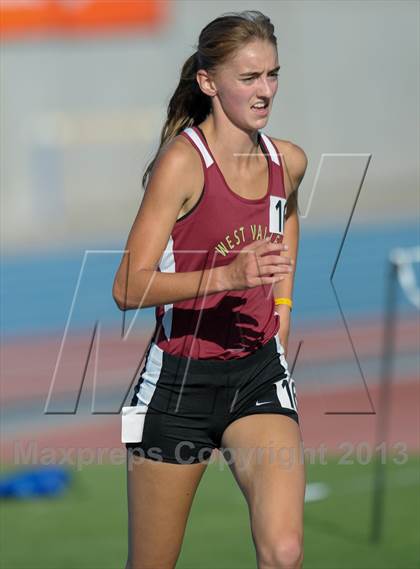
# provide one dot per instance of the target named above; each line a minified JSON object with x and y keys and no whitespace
{"x":249,"y":78}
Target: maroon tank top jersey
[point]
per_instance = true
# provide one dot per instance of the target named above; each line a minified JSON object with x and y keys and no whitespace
{"x":229,"y":324}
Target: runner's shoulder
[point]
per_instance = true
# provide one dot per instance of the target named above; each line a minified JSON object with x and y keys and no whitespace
{"x":294,"y":157}
{"x":178,"y":165}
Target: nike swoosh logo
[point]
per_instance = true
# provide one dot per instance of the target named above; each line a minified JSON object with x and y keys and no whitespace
{"x":262,"y":402}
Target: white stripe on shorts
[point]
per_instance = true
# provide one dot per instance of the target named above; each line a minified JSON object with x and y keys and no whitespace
{"x":133,"y":417}
{"x":285,"y":392}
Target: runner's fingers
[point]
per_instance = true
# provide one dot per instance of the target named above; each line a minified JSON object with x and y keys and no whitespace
{"x":274,"y":260}
{"x":275,"y":269}
{"x":270,"y":280}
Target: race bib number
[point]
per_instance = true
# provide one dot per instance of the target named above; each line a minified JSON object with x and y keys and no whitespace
{"x":277,"y":209}
{"x":286,"y":392}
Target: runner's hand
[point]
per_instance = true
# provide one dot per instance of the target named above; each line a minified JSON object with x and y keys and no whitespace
{"x":258,"y":263}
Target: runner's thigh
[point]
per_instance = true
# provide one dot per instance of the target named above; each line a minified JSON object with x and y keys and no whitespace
{"x":160,"y":496}
{"x":266,"y":458}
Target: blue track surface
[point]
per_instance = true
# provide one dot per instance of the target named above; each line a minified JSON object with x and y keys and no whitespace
{"x":37,"y":290}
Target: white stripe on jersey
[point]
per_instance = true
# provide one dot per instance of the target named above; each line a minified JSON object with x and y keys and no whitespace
{"x":194,"y":136}
{"x":273,"y":154}
{"x":167,"y":265}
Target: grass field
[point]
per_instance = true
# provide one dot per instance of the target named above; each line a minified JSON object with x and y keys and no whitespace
{"x":87,"y":527}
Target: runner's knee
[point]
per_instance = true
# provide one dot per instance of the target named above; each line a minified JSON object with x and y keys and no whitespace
{"x":281,"y":552}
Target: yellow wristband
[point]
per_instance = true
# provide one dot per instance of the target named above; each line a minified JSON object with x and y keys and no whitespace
{"x":286,"y":301}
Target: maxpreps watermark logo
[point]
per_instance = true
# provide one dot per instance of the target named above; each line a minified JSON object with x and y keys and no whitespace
{"x":186,"y":452}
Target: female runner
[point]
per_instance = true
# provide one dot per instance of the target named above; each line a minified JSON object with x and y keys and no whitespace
{"x":213,"y":248}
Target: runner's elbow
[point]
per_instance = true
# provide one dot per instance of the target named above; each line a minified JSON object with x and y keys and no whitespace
{"x":128,"y":298}
{"x":119,"y":299}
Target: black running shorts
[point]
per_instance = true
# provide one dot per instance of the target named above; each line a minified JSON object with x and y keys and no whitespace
{"x":181,"y":407}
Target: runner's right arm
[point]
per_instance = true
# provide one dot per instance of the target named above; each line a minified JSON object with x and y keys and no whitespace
{"x":176,"y":175}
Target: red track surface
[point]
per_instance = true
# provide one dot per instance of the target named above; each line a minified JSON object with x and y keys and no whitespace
{"x":318,"y":429}
{"x":28,"y":364}
{"x":28,"y":368}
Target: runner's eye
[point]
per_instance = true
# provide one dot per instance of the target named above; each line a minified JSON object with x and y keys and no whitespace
{"x":248,"y":79}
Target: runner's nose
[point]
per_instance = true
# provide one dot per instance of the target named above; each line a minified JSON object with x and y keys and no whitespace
{"x":264,"y":88}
